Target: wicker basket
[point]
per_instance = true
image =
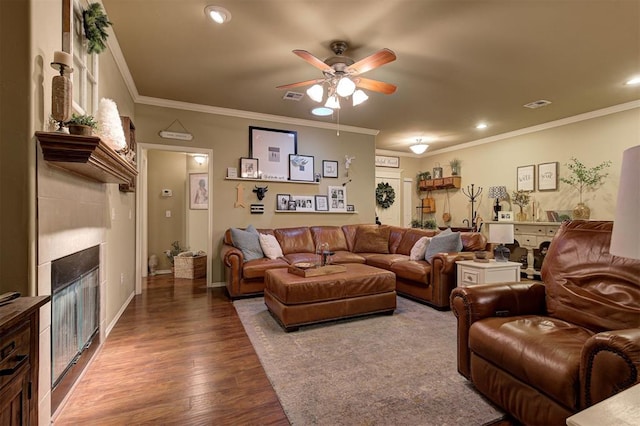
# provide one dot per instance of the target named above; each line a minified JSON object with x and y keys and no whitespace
{"x":190,"y":267}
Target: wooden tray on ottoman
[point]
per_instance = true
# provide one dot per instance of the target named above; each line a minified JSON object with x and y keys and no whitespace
{"x":315,"y":272}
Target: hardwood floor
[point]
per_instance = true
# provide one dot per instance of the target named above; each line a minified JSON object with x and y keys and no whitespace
{"x":178,"y":355}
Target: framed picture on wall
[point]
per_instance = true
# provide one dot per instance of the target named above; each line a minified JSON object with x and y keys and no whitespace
{"x":304,"y":203}
{"x":273,"y":147}
{"x":548,"y":176}
{"x":322,"y":203}
{"x":337,"y":198}
{"x":198,"y":191}
{"x":301,"y":168}
{"x":249,"y":168}
{"x":329,"y":169}
{"x":282,"y":201}
{"x":525,"y":178}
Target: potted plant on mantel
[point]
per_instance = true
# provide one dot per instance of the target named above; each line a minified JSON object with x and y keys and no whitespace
{"x":422,"y":178}
{"x":521,"y":198}
{"x":81,"y":124}
{"x":584,"y":178}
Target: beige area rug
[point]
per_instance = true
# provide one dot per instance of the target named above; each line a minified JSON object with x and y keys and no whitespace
{"x":375,"y":370}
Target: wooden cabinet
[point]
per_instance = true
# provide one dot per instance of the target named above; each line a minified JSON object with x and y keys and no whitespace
{"x":19,"y":326}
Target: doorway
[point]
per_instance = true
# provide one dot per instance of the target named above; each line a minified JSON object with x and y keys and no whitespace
{"x":164,"y":209}
{"x":391,"y":215}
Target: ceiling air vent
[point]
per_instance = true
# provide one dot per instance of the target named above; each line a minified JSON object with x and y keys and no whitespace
{"x":292,"y":96}
{"x":537,"y":104}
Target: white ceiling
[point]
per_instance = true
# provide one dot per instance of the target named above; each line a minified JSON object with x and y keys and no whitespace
{"x":458,"y":62}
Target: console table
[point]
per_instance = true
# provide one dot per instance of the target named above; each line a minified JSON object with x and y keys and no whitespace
{"x":530,"y":235}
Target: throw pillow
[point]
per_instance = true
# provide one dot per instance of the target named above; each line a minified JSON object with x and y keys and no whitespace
{"x":444,"y":242}
{"x":420,"y":248}
{"x":248,"y":242}
{"x":270,"y":246}
{"x":372,"y":239}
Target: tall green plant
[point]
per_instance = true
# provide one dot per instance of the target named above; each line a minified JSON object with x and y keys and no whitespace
{"x":95,"y":24}
{"x":584,"y":178}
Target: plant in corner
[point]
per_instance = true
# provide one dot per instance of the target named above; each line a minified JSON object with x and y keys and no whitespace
{"x":81,"y":124}
{"x":176,"y":249}
{"x":95,"y":23}
{"x":584,"y":178}
{"x":521,"y":199}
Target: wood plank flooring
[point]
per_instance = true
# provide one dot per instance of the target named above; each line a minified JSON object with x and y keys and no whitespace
{"x":178,"y":355}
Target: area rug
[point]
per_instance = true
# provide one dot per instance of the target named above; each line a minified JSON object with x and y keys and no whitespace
{"x":374,"y":370}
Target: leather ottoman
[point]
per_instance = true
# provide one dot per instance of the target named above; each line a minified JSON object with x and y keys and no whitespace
{"x":360,"y":290}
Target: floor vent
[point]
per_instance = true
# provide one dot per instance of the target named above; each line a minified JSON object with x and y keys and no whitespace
{"x":537,"y":104}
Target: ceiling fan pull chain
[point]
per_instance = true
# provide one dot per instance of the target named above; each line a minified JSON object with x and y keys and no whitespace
{"x":338,"y":133}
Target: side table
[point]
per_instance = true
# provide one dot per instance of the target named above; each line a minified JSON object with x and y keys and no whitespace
{"x":471,"y":272}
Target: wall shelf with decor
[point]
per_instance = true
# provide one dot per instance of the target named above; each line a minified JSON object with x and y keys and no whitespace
{"x":87,"y":156}
{"x":452,"y":182}
{"x":273,"y":180}
{"x":315,"y":211}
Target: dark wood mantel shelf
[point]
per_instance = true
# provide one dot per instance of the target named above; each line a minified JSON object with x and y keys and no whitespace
{"x":87,"y":156}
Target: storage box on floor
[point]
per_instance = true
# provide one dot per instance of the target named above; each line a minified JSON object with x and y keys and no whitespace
{"x":190,"y":266}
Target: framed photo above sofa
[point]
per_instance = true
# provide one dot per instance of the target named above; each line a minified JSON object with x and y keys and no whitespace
{"x":273,"y":147}
{"x":329,"y":169}
{"x":337,"y":198}
{"x":301,"y":168}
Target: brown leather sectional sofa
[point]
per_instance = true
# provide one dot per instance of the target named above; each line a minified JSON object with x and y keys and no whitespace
{"x":429,"y":283}
{"x":545,"y":351}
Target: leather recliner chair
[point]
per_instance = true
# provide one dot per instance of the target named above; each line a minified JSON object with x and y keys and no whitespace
{"x":544,"y":351}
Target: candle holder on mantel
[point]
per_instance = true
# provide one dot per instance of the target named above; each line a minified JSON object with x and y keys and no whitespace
{"x":61,"y":86}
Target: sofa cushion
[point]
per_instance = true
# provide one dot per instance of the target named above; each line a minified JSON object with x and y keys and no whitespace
{"x":372,"y":239}
{"x":412,"y":270}
{"x":270,"y":246}
{"x":384,"y":261}
{"x":419,"y":249}
{"x":410,"y":237}
{"x":346,"y":257}
{"x":332,"y":235}
{"x":248,"y":241}
{"x":473,"y":241}
{"x":255,"y":269}
{"x":295,"y":240}
{"x":444,"y":242}
{"x":521,"y":346}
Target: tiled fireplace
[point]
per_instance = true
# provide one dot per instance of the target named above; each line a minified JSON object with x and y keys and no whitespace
{"x":72,"y":217}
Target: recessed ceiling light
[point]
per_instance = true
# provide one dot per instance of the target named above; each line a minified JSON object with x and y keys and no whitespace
{"x":322,"y":111}
{"x":633,"y":81}
{"x":218,"y":14}
{"x":481,"y":126}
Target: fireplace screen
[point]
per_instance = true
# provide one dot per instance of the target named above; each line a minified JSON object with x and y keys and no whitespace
{"x":75,"y":308}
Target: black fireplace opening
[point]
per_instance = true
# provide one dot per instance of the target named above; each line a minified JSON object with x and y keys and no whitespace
{"x":75,"y":317}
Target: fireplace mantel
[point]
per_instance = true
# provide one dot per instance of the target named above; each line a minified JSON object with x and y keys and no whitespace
{"x":87,"y":156}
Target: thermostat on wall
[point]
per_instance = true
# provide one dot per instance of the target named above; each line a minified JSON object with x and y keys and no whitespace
{"x":167,"y":193}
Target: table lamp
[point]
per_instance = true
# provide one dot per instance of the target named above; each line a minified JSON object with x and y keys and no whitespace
{"x":499,"y":193}
{"x":501,"y":233}
{"x":625,"y":238}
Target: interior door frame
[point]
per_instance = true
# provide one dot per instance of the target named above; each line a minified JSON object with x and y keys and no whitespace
{"x":142,"y":197}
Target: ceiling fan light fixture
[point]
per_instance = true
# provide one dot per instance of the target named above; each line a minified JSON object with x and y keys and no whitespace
{"x":218,"y":14}
{"x":316,"y":92}
{"x":333,"y":102}
{"x":633,"y":81}
{"x":345,"y":87}
{"x":322,"y":111}
{"x":359,"y":96}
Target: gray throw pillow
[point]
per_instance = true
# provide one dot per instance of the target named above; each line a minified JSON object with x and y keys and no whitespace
{"x":444,"y":242}
{"x":248,"y":241}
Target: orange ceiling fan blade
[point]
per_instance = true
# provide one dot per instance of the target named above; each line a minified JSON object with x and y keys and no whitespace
{"x":375,"y":85}
{"x":314,"y":61}
{"x":381,"y":57}
{"x":301,"y":83}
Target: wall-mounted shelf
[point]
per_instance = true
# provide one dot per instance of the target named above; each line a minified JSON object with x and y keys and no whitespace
{"x":273,"y":180}
{"x":314,"y":212}
{"x":451,"y":182}
{"x":87,"y":156}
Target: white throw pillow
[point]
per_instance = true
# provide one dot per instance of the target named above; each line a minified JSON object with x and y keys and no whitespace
{"x":419,"y":248}
{"x":270,"y":246}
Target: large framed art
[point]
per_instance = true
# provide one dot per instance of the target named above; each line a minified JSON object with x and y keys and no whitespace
{"x":198,"y":191}
{"x":272,"y":148}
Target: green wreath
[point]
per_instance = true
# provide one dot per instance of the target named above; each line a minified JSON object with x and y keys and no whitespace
{"x":385,"y":195}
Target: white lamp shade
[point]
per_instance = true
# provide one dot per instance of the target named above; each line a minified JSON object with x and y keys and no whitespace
{"x":316,"y":92}
{"x":501,"y":233}
{"x":419,"y":148}
{"x":625,"y":239}
{"x":345,"y":87}
{"x":359,"y":97}
{"x":333,"y":102}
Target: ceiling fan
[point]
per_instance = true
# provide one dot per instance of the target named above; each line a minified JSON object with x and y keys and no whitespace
{"x":342,"y":75}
